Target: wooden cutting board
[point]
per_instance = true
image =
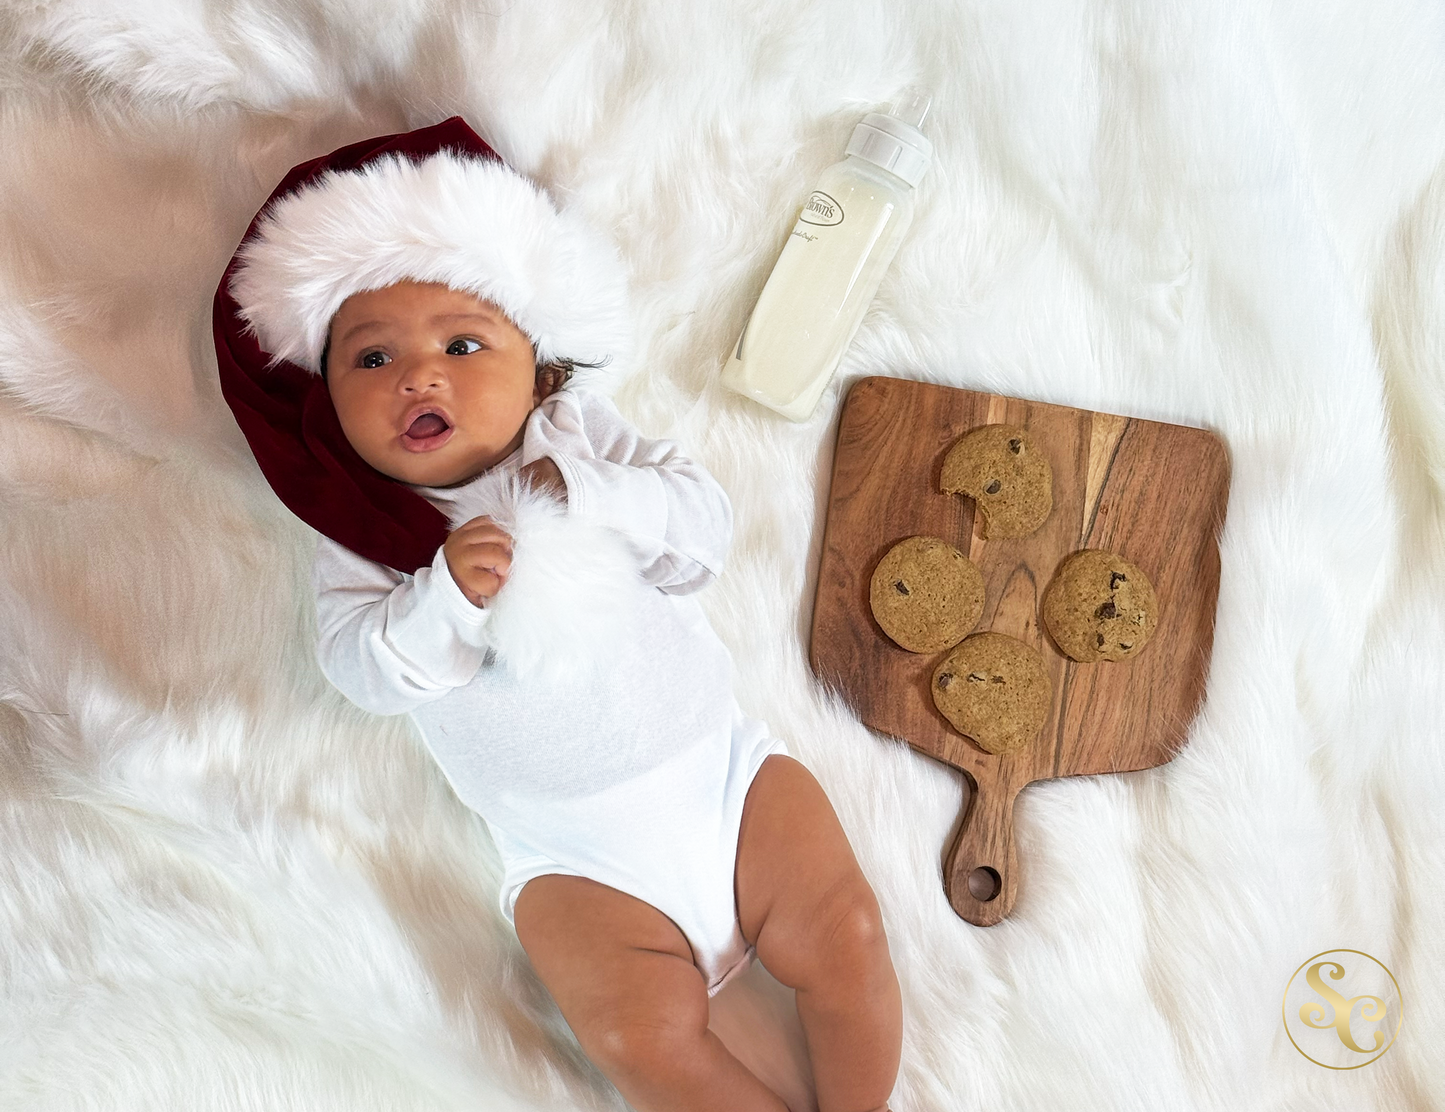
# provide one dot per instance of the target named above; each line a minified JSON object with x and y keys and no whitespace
{"x":1153,"y":493}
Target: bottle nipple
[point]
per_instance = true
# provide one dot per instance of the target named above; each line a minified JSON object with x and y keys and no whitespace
{"x":912,"y":106}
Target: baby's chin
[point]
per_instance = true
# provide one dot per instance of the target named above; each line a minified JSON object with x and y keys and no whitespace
{"x":431,"y":476}
{"x":433,"y":471}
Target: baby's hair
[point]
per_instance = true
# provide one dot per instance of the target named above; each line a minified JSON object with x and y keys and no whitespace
{"x":568,"y":367}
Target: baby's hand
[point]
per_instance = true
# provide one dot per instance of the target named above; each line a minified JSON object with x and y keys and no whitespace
{"x":479,"y":556}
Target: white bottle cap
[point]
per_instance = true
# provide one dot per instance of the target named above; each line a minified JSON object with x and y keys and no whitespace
{"x":897,"y":146}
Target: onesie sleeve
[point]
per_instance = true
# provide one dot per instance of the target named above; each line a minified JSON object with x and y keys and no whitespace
{"x":675,"y":516}
{"x":391,"y":642}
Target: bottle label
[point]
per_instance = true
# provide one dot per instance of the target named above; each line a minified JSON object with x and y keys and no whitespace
{"x":821,"y":210}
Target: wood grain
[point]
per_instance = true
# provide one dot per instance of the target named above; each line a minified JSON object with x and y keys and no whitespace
{"x":1154,"y":493}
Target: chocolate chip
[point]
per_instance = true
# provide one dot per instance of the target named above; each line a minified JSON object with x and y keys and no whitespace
{"x":1015,"y":445}
{"x":945,"y":678}
{"x":977,"y":677}
{"x":1107,"y":610}
{"x":997,"y":679}
{"x":1115,"y":578}
{"x":993,"y":487}
{"x":1100,"y":640}
{"x":900,"y":587}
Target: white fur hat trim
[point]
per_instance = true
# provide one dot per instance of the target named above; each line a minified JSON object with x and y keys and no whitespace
{"x":574,"y":590}
{"x":468,"y":223}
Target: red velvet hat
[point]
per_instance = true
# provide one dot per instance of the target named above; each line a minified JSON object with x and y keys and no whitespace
{"x":432,"y":205}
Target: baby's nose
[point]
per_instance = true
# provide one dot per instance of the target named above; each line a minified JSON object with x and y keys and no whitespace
{"x":423,"y":374}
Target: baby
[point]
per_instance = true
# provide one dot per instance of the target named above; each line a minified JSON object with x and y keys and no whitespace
{"x":653,"y":837}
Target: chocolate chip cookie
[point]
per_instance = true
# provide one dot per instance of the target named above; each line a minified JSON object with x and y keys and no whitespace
{"x":995,"y":690}
{"x":926,"y":594}
{"x":1099,"y":606}
{"x":1006,"y":475}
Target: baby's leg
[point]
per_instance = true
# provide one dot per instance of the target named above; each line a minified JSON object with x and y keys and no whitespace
{"x":622,"y":974}
{"x":806,"y":906}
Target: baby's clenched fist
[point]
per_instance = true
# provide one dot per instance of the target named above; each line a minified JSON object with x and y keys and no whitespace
{"x":479,"y":556}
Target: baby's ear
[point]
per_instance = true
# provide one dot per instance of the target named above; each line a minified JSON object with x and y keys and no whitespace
{"x":551,"y":377}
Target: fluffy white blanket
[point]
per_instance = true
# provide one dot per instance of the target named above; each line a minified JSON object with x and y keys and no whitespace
{"x":223,"y":887}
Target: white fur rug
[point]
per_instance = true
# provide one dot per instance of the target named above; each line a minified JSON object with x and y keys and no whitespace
{"x":222,"y":887}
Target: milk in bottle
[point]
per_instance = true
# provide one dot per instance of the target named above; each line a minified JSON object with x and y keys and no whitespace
{"x":846,"y":235}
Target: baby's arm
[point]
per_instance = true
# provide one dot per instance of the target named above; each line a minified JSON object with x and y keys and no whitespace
{"x":390,"y":642}
{"x":676,"y":517}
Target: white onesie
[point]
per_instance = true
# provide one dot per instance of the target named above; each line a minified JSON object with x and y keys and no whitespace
{"x":634,"y":775}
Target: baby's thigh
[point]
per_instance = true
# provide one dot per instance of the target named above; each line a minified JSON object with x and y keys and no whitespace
{"x":621,"y":971}
{"x":802,"y":899}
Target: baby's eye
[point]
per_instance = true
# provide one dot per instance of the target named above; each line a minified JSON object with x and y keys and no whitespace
{"x":463,"y":345}
{"x":373,"y":359}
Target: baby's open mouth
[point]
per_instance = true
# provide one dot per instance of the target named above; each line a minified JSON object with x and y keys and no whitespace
{"x":426,"y":426}
{"x":427,"y":431}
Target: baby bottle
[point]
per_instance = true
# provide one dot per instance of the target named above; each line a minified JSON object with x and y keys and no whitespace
{"x":845,"y":237}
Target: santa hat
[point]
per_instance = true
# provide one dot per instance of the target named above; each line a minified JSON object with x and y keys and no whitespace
{"x":432,"y":205}
{"x":463,"y":221}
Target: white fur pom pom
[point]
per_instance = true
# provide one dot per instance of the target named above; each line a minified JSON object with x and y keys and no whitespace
{"x":573,"y":590}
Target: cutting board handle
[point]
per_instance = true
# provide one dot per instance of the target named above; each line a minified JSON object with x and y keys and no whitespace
{"x":980,"y":876}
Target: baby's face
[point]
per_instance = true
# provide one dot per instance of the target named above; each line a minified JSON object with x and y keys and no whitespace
{"x":400,"y":353}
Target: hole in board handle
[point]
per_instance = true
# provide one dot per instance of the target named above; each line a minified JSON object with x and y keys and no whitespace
{"x":984,"y":883}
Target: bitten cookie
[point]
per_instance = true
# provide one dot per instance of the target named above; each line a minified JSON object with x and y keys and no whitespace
{"x":926,"y":594}
{"x":1100,"y":607}
{"x":1003,"y":471}
{"x":995,"y":690}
